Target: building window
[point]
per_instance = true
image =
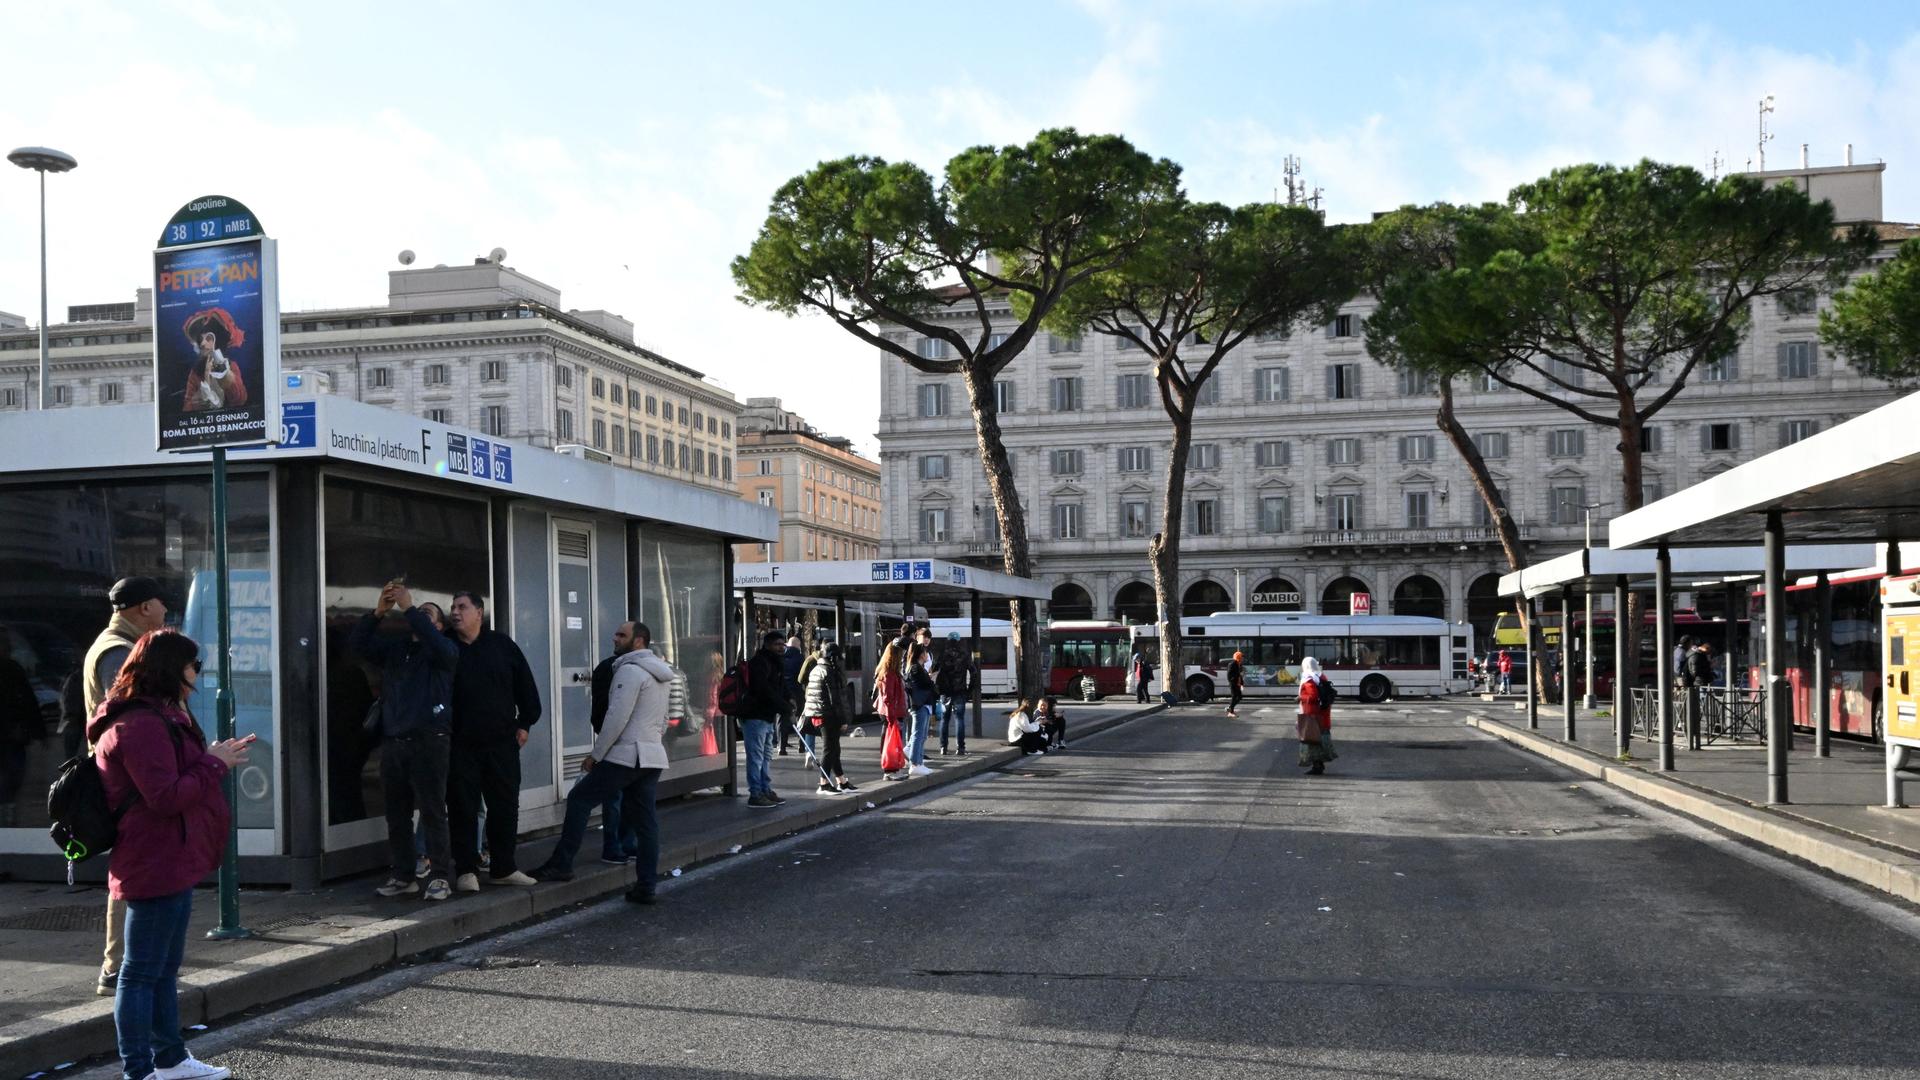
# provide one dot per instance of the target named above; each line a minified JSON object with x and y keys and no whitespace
{"x":9,"y":399}
{"x":931,"y":349}
{"x":933,"y":467}
{"x":1345,"y":451}
{"x":380,"y":378}
{"x":617,"y":393}
{"x":1725,"y":369}
{"x":1209,"y":393}
{"x":994,"y":341}
{"x":766,"y":467}
{"x":435,"y":375}
{"x":563,"y":376}
{"x":653,"y":405}
{"x":494,"y":419}
{"x":1566,"y":442}
{"x":1125,"y":342}
{"x":492,"y":371}
{"x":1562,"y":373}
{"x":1276,"y":513}
{"x":1650,"y":440}
{"x":563,"y":425}
{"x":1796,"y":359}
{"x":1492,"y":444}
{"x":1066,"y":521}
{"x":1652,"y":491}
{"x":1343,"y":511}
{"x":1482,"y":516}
{"x":1342,"y":326}
{"x":933,"y":525}
{"x":1066,"y":393}
{"x":1003,"y":399}
{"x":653,"y":452}
{"x":1066,"y":462}
{"x":1792,"y":431}
{"x":1271,"y":384}
{"x":682,"y":412}
{"x":1414,"y":448}
{"x":1343,"y":381}
{"x":1487,"y":384}
{"x":686,"y":458}
{"x":1417,"y":509}
{"x":1273,"y":454}
{"x":109,"y":393}
{"x":1206,"y":517}
{"x":1058,"y":344}
{"x":1133,"y":517}
{"x":62,"y":395}
{"x":726,"y":429}
{"x":1205,"y":455}
{"x":1720,"y":436}
{"x":438,"y":416}
{"x":699,"y":463}
{"x":1131,"y":391}
{"x":1564,"y":503}
{"x":1794,"y":302}
{"x":933,"y":399}
{"x":1416,"y":383}
{"x":726,"y":468}
{"x":766,"y":497}
{"x":1135,"y":459}
{"x":599,"y":434}
{"x":698,"y":420}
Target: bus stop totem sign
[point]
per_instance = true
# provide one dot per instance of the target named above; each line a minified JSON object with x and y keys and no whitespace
{"x":216,"y":329}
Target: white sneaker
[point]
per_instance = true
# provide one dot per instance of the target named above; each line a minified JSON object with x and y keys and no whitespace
{"x":192,"y":1069}
{"x":919,"y":770}
{"x":466,"y":883}
{"x":396,"y":887}
{"x":518,"y":877}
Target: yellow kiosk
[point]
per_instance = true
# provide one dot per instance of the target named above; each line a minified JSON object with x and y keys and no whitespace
{"x":1900,"y":637}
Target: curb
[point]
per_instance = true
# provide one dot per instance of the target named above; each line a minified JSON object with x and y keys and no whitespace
{"x":1869,"y":864}
{"x":86,"y":1029}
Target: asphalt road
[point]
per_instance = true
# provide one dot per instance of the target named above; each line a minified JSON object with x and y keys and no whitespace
{"x":1175,"y":899}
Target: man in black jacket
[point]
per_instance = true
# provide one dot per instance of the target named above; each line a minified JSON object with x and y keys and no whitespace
{"x":767,"y":701}
{"x":495,"y":704}
{"x":415,"y":728}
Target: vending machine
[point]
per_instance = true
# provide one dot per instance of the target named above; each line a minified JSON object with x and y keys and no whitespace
{"x":1900,"y":637}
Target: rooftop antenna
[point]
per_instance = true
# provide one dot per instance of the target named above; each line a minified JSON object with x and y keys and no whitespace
{"x":1715,"y":163}
{"x":1766,"y":106}
{"x":1295,"y":189}
{"x":1313,"y":200}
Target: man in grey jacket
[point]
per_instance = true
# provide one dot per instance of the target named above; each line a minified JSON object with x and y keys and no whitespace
{"x":626,"y":760}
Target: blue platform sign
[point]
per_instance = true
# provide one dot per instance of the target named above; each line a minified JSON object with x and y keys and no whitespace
{"x":881,"y":572}
{"x":480,"y":458}
{"x":456,"y":454}
{"x":299,"y":427}
{"x":923,"y":571}
{"x":503,"y":463}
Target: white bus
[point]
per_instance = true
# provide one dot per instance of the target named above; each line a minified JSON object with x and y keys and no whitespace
{"x":997,"y":672}
{"x":1370,"y":657}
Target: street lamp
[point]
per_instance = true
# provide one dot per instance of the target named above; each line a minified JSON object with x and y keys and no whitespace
{"x":1586,"y":696}
{"x":43,"y":161}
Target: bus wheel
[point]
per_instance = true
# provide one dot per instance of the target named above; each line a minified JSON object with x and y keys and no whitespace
{"x":1374,"y":689}
{"x":1199,"y":690}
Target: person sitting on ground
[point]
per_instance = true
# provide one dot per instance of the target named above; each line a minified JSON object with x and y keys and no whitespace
{"x":1024,"y":731}
{"x":1053,"y":722}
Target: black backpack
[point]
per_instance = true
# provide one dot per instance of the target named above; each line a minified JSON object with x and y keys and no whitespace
{"x":84,"y":823}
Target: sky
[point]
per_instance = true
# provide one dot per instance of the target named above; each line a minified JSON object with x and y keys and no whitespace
{"x":625,"y":152}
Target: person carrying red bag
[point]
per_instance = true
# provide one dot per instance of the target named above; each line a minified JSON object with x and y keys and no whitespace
{"x":890,"y":701}
{"x":1315,"y":723}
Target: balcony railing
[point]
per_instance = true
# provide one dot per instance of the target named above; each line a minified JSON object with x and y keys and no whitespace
{"x":1434,"y":537}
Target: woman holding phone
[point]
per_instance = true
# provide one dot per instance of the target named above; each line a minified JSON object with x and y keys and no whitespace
{"x":155,"y":761}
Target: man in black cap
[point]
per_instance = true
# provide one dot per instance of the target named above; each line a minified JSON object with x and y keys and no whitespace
{"x":138,"y":609}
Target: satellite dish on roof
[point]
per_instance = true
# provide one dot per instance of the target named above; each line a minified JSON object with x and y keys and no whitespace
{"x":497,"y":255}
{"x":406,"y":257}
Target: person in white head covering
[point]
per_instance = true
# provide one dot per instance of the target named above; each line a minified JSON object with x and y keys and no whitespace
{"x":1316,"y":717}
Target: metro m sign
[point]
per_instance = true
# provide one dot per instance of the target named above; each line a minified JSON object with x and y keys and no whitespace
{"x":1360,"y":604}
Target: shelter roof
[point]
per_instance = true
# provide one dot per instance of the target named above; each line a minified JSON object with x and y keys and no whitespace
{"x":882,"y":580}
{"x":1595,"y":569}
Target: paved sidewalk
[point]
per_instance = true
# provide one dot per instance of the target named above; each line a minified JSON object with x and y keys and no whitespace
{"x":51,"y":937}
{"x":1835,"y":819}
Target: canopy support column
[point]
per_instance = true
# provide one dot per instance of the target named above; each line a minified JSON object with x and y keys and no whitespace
{"x":1736,"y":606}
{"x":1533,"y":691}
{"x":1775,"y":548}
{"x":1822,"y":663}
{"x":973,"y":650}
{"x":1566,"y":662}
{"x":1622,"y":680}
{"x":1663,"y":652}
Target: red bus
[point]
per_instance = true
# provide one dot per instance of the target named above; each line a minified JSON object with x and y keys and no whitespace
{"x":1098,"y":649}
{"x":1853,"y":653}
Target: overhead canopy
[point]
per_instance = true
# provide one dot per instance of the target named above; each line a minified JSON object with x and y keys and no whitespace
{"x":1595,"y":569}
{"x":883,"y":580}
{"x":1854,"y":482}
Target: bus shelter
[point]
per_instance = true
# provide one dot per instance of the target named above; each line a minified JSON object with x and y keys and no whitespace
{"x":559,"y":550}
{"x":904,"y":582}
{"x":1594,"y":571}
{"x":1858,"y":482}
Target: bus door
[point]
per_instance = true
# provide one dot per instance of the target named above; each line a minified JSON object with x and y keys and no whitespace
{"x":1462,"y":653}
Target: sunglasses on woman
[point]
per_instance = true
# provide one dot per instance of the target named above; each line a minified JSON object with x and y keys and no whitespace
{"x":195,"y":665}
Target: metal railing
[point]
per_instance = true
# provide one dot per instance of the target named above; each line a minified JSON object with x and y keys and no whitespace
{"x":1736,"y":715}
{"x":1645,"y":722}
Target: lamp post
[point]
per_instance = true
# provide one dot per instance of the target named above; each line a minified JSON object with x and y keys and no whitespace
{"x":43,"y":161}
{"x":1586,"y":696}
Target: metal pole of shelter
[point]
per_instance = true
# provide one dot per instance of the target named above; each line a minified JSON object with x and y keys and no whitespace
{"x":229,"y":879}
{"x":1533,"y":692}
{"x":1822,"y":661}
{"x":43,"y":299}
{"x":1566,"y":661}
{"x":906,"y":602}
{"x":748,"y":630}
{"x":1622,"y":695}
{"x":1663,"y":652}
{"x":1735,"y":605}
{"x":973,"y":650}
{"x":1775,"y":546}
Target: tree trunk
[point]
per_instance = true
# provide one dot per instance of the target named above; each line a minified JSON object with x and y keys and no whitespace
{"x":1163,"y":552}
{"x":1496,"y":505}
{"x":1632,"y":622}
{"x":1012,"y":516}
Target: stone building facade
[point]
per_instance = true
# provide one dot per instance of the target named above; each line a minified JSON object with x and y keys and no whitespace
{"x":481,"y":346}
{"x":1315,"y":472}
{"x":828,"y":496}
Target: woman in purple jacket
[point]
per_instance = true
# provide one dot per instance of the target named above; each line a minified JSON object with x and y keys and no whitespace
{"x":155,"y":761}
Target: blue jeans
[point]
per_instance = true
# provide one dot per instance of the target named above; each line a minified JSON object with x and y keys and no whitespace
{"x":758,"y":737}
{"x":638,"y":820}
{"x":146,"y":1007}
{"x":617,"y":842}
{"x":917,"y":741}
{"x":605,"y":781}
{"x":953,"y":713}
